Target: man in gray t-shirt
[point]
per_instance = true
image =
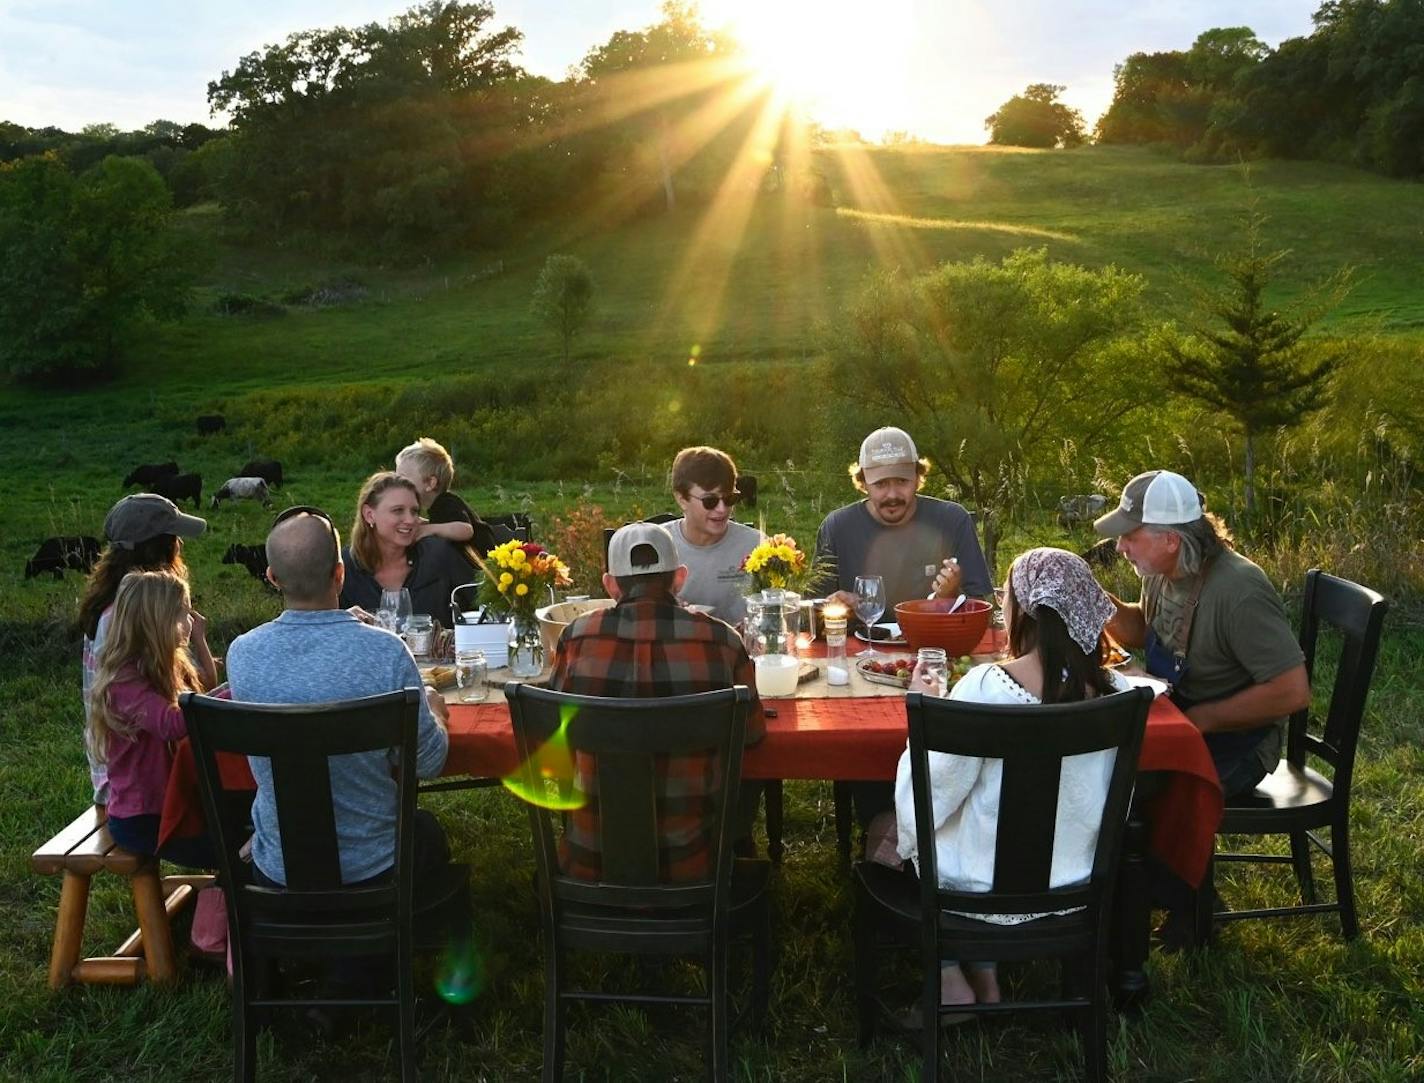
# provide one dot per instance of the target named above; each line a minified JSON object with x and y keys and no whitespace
{"x":704,"y":484}
{"x":313,"y":653}
{"x":917,"y":544}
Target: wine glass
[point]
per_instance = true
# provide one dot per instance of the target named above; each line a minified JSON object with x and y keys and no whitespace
{"x":395,"y":609}
{"x":869,"y":606}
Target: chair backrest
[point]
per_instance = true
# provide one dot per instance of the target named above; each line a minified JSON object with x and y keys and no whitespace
{"x":1032,"y":740}
{"x":623,"y":744}
{"x":1357,"y":614}
{"x":299,"y":740}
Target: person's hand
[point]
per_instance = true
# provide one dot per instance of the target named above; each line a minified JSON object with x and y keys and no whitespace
{"x":437,"y":705}
{"x":199,"y":634}
{"x":921,"y":681}
{"x":845,"y":598}
{"x":422,"y":529}
{"x":948,"y":579}
{"x":361,"y":615}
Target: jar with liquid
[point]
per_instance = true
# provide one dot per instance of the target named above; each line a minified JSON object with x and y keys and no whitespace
{"x":932,"y":671}
{"x":419,"y":635}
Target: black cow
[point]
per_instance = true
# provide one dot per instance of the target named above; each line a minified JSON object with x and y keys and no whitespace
{"x":269,"y":470}
{"x":78,"y":552}
{"x":148,"y":473}
{"x":251,"y":557}
{"x":181,"y":487}
{"x":211,"y":423}
{"x":1103,"y":554}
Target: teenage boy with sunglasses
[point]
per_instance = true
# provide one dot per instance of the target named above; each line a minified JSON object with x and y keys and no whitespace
{"x":709,"y":542}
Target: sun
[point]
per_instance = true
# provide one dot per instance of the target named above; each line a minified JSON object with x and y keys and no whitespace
{"x":826,"y":59}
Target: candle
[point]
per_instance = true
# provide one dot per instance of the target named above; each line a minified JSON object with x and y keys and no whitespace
{"x":835,"y":616}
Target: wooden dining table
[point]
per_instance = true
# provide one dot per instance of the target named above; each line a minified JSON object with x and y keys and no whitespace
{"x":857,"y":732}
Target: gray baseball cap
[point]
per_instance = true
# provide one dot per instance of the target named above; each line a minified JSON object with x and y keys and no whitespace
{"x":889,"y":453}
{"x":135,"y":519}
{"x":627,"y":538}
{"x":1158,"y":497}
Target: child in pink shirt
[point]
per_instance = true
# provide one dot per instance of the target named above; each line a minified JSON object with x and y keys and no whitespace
{"x":134,"y":714}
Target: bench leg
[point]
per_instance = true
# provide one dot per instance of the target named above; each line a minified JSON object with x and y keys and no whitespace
{"x":68,"y":928}
{"x":153,"y":925}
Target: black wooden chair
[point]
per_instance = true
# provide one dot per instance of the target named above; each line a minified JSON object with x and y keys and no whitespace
{"x":1295,"y":799}
{"x":1032,"y":741}
{"x":632,"y":908}
{"x":314,"y":917}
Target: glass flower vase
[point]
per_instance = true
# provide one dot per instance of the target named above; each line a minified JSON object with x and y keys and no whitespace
{"x":526,"y":646}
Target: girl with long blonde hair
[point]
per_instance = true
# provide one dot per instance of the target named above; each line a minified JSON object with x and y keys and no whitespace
{"x":133,"y":705}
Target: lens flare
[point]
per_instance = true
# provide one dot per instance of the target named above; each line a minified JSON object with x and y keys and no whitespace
{"x":555,"y":783}
{"x":460,"y":975}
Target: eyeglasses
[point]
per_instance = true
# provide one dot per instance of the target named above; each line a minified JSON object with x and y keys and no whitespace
{"x":315,"y":513}
{"x":711,"y":500}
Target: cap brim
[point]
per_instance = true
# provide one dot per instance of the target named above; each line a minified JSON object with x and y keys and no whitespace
{"x":188,"y":526}
{"x":904,"y":471}
{"x":1116,"y":523}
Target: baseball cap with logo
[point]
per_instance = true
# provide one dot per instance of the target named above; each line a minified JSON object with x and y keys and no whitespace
{"x":628,"y":538}
{"x":135,"y":519}
{"x":1156,"y":498}
{"x":888,"y":453}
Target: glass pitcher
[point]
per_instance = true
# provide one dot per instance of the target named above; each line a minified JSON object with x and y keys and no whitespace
{"x":772,"y":621}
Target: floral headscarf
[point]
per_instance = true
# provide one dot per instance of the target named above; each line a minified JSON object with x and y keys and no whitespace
{"x":1063,"y":582}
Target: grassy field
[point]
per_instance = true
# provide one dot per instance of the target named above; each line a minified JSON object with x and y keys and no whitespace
{"x":450,"y":349}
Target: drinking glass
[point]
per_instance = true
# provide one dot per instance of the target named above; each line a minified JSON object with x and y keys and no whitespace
{"x":869,"y":606}
{"x":395,"y":609}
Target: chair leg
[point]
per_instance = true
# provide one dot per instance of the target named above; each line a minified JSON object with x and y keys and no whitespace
{"x":405,"y":1016}
{"x":554,"y":1012}
{"x":1300,"y":858}
{"x":929,"y":1020}
{"x":845,"y":818}
{"x":774,"y":810}
{"x":761,"y":970}
{"x":1204,"y":906}
{"x":717,"y":1009}
{"x":244,"y":1025}
{"x":1095,"y":1032}
{"x":68,"y":928}
{"x":865,"y":971}
{"x":1344,"y":877}
{"x":158,"y":957}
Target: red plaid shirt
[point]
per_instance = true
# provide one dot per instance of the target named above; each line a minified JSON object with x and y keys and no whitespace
{"x":653,"y":647}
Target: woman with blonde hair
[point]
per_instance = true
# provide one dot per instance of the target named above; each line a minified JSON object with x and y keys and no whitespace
{"x":387,"y":552}
{"x":133,"y":705}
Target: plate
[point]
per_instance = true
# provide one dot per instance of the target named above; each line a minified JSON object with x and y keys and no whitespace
{"x":887,"y":633}
{"x":883,"y":678}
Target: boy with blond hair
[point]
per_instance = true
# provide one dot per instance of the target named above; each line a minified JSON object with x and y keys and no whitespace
{"x":430,"y":469}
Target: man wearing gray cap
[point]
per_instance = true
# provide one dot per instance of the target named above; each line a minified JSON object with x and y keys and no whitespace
{"x":145,"y":532}
{"x":1212,"y":626}
{"x":648,"y":644}
{"x":916,"y":544}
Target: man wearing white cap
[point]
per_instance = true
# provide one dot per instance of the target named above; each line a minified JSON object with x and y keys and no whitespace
{"x":916,"y":544}
{"x":1213,"y":626}
{"x":1211,"y":623}
{"x":649,"y":644}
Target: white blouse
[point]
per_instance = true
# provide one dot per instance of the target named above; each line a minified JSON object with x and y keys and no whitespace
{"x":965,"y":793}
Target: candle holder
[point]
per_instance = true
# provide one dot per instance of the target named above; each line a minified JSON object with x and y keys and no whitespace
{"x":834,"y":618}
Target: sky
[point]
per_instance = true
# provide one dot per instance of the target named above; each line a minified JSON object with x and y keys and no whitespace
{"x":934,"y":68}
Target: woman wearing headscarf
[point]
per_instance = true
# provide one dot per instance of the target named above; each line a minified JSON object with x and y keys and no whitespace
{"x":1055,"y":613}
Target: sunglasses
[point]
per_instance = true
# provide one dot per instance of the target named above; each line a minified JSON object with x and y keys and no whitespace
{"x":315,"y":513}
{"x":710,"y":500}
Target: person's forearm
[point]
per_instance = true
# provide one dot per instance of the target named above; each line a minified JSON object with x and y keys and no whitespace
{"x":1255,"y":706}
{"x":455,"y":531}
{"x":1127,"y":626}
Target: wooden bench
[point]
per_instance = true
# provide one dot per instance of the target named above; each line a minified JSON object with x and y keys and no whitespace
{"x":78,"y":852}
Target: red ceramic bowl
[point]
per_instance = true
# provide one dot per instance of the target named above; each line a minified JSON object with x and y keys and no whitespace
{"x":928,"y":623}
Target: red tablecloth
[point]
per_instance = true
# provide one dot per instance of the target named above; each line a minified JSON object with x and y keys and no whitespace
{"x":853,"y":738}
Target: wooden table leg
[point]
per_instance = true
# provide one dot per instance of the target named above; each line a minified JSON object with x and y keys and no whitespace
{"x":1133,"y":918}
{"x":774,"y":846}
{"x":845,"y":818}
{"x":68,"y":928}
{"x":153,"y":925}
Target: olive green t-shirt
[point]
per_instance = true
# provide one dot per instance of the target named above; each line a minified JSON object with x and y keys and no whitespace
{"x":1239,"y":637}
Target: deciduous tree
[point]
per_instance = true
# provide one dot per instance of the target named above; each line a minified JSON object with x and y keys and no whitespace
{"x":563,"y":297}
{"x":1036,"y":118}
